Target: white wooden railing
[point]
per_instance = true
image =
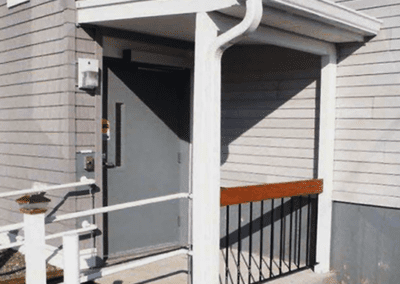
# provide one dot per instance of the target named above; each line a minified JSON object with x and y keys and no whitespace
{"x":35,"y":239}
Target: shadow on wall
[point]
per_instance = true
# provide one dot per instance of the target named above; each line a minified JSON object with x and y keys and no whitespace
{"x":267,"y":92}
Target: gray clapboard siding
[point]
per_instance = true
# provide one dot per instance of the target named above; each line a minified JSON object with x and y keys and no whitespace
{"x":364,"y":167}
{"x":370,"y":135}
{"x":35,"y":37}
{"x":387,"y":34}
{"x":61,"y":152}
{"x":391,"y":22}
{"x":86,"y":139}
{"x":270,"y":104}
{"x":84,"y":45}
{"x":29,"y":125}
{"x":368,"y":58}
{"x":279,"y":113}
{"x":382,"y":11}
{"x":367,"y":178}
{"x":372,"y":146}
{"x":85,"y":112}
{"x":367,"y":80}
{"x":45,"y":87}
{"x":364,"y":5}
{"x":29,"y":27}
{"x":44,"y":100}
{"x":43,"y":74}
{"x":270,"y":132}
{"x":85,"y":126}
{"x":306,"y":163}
{"x":37,"y":99}
{"x":37,"y":10}
{"x":61,"y":165}
{"x":273,"y":141}
{"x":384,"y":124}
{"x":367,"y":136}
{"x":265,"y":169}
{"x":362,"y":91}
{"x":25,"y":6}
{"x":47,"y":176}
{"x":57,"y":46}
{"x":270,"y":151}
{"x":83,"y":99}
{"x":44,"y":138}
{"x":374,"y":46}
{"x":53,"y":112}
{"x":253,"y":179}
{"x":37,"y":63}
{"x":370,"y":189}
{"x":268,"y":117}
{"x":379,"y":113}
{"x":270,"y":123}
{"x":368,"y":69}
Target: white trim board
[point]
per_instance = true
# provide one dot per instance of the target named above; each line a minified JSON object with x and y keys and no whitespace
{"x":12,"y":3}
{"x":367,"y":199}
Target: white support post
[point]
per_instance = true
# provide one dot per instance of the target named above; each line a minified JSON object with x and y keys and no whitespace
{"x":35,"y":257}
{"x":206,"y":154}
{"x":71,"y":258}
{"x":325,"y":160}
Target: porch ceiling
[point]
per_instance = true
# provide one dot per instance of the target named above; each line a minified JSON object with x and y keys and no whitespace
{"x":313,"y":19}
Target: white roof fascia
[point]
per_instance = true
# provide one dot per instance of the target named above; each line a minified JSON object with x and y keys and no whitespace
{"x":94,"y":11}
{"x":330,"y":13}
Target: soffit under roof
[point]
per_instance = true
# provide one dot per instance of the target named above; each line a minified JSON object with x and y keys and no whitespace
{"x":315,"y":19}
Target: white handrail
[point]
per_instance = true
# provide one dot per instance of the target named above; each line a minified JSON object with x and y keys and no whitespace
{"x":12,"y":227}
{"x":126,"y":205}
{"x":82,"y":182}
{"x":53,"y":236}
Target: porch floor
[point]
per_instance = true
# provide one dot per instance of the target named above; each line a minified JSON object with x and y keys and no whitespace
{"x":174,"y":271}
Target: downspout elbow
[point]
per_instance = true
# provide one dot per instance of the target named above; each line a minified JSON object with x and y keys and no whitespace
{"x":251,"y":21}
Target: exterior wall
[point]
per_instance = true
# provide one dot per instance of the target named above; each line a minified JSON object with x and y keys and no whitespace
{"x":373,"y":255}
{"x":270,"y":111}
{"x":368,"y":107}
{"x":38,"y":130}
{"x":365,"y":245}
{"x":270,"y":106}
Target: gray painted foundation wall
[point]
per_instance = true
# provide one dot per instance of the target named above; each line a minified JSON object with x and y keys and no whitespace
{"x":365,"y":244}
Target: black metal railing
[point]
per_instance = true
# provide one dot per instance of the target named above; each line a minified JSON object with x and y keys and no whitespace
{"x":267,"y":239}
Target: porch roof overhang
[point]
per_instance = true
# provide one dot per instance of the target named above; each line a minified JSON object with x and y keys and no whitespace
{"x":317,"y":20}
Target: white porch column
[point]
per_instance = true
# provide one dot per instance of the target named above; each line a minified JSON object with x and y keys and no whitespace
{"x":325,"y":160}
{"x":35,"y":256}
{"x":206,"y":154}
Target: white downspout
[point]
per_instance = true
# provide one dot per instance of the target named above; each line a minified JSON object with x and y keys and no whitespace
{"x":206,"y":148}
{"x":251,"y":21}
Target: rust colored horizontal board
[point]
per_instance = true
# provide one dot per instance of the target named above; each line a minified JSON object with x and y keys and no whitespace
{"x":238,"y":195}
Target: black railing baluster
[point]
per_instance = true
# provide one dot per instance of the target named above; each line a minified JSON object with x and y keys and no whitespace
{"x":290,"y":247}
{"x":250,"y":239}
{"x":295,"y":236}
{"x":290,"y":234}
{"x":271,"y":255}
{"x":261,"y":239}
{"x":227,"y":246}
{"x":308,"y":232}
{"x":239,"y":243}
{"x":299,"y":244}
{"x":281,"y":240}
